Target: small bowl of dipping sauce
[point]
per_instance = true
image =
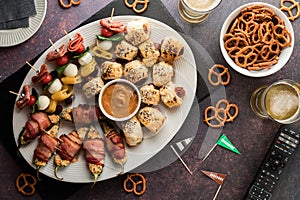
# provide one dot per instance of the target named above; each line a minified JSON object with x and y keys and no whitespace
{"x":119,"y":100}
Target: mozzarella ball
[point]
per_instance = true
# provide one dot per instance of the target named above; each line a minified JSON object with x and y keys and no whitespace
{"x":105,"y":45}
{"x":43,"y":102}
{"x":85,"y":59}
{"x":55,"y":86}
{"x":71,"y":70}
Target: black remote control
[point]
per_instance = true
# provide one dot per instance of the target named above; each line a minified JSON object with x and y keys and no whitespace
{"x":281,"y":151}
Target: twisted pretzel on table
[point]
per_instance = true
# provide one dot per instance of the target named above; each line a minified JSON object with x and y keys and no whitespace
{"x":70,"y":4}
{"x":25,"y":184}
{"x":216,"y":119}
{"x":135,"y":5}
{"x":220,"y":114}
{"x":135,"y":183}
{"x":289,"y":9}
{"x":218,"y":74}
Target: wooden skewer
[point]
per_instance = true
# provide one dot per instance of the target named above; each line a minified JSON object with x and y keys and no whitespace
{"x":31,"y":66}
{"x":55,"y":49}
{"x":12,"y":92}
{"x":112,"y":14}
{"x":217,"y":192}
{"x":58,"y":148}
{"x":186,"y":167}
{"x":209,"y":152}
{"x":67,"y":34}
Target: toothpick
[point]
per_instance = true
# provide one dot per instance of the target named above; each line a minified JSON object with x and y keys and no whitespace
{"x":12,"y":92}
{"x":55,"y":49}
{"x":31,"y":66}
{"x":112,"y":14}
{"x":209,"y":152}
{"x":217,"y":192}
{"x":58,"y":148}
{"x":67,"y":34}
{"x":181,"y":160}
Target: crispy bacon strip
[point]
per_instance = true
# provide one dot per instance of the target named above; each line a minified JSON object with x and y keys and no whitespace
{"x":38,"y":122}
{"x":94,"y":152}
{"x":67,"y":150}
{"x":45,"y":149}
{"x":115,"y":144}
{"x":75,"y":43}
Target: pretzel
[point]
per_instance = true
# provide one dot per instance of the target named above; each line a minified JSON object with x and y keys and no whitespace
{"x":135,"y":5}
{"x":217,"y":118}
{"x":99,"y":52}
{"x":288,"y":9}
{"x":71,"y":3}
{"x":133,"y":186}
{"x":219,"y":75}
{"x":25,"y":184}
{"x":256,"y":38}
{"x":220,"y":114}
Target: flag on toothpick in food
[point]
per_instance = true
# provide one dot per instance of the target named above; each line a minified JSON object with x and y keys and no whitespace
{"x":217,"y":177}
{"x":223,"y":141}
{"x":180,"y":146}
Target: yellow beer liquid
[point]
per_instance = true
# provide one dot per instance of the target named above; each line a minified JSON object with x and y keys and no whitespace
{"x":282,"y":102}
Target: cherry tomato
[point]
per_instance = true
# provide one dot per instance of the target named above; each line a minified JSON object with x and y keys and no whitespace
{"x":81,"y":49}
{"x":32,"y":100}
{"x":63,"y":60}
{"x":106,"y":33}
{"x":47,"y":79}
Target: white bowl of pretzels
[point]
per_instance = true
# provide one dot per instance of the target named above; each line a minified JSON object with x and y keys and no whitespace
{"x":257,"y":39}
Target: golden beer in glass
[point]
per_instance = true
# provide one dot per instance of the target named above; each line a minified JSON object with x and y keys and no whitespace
{"x":196,"y":11}
{"x":280,"y":101}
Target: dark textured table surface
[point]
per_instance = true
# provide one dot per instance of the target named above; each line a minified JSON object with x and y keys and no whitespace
{"x":250,"y":134}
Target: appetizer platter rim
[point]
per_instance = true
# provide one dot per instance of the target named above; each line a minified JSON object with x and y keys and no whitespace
{"x":284,"y":55}
{"x":192,"y":84}
{"x":17,"y":36}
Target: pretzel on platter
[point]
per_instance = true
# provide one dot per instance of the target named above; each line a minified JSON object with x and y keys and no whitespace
{"x":135,"y":183}
{"x":25,"y":184}
{"x":289,"y":9}
{"x":218,"y":74}
{"x":134,"y":4}
{"x":70,"y":4}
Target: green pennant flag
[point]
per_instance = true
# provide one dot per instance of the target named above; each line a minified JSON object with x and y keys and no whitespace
{"x":225,"y":142}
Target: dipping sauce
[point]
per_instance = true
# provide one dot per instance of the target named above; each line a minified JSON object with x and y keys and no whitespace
{"x":119,"y":100}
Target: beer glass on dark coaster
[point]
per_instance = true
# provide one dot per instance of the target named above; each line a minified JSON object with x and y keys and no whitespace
{"x":196,"y":11}
{"x":280,"y":101}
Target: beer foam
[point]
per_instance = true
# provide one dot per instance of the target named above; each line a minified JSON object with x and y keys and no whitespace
{"x":283,"y":103}
{"x":203,"y":5}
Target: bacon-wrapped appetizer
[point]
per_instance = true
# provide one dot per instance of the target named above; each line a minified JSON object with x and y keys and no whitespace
{"x":94,"y":152}
{"x":114,"y":144}
{"x":82,"y":115}
{"x":68,"y":148}
{"x":39,"y":122}
{"x":44,"y":151}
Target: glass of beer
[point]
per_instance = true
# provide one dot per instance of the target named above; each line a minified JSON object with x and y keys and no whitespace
{"x":196,"y":11}
{"x":280,"y":101}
